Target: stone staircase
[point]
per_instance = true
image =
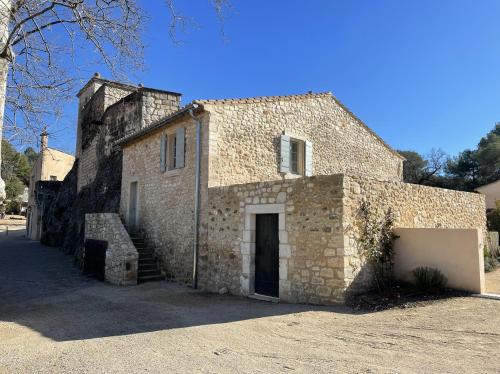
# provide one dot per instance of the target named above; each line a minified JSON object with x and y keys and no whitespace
{"x":148,"y":266}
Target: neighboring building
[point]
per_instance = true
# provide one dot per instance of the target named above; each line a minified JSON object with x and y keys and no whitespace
{"x":262,"y":195}
{"x":491,"y":192}
{"x":23,"y":199}
{"x":109,"y":110}
{"x":51,"y":165}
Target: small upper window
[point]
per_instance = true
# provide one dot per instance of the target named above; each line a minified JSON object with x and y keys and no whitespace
{"x":53,"y":178}
{"x":172,"y":150}
{"x":296,"y":156}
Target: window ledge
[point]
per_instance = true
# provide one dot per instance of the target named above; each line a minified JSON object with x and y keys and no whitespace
{"x":172,"y":173}
{"x":292,"y":175}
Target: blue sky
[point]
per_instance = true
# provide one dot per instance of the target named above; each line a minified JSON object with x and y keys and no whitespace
{"x":422,"y":74}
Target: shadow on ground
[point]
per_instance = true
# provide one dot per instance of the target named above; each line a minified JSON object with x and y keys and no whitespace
{"x":40,"y":288}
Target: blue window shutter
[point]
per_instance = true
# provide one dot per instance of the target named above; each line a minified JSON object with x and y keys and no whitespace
{"x":163,"y":142}
{"x":308,"y":158}
{"x":285,"y":154}
{"x":179,"y":150}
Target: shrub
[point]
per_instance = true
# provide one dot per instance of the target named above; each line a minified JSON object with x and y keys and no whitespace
{"x":377,"y":239}
{"x":429,"y":279}
{"x":493,"y":217}
{"x":490,"y":262}
{"x":13,"y":207}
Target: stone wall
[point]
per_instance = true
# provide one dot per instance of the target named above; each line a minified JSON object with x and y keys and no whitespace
{"x":112,"y":113}
{"x":311,"y":239}
{"x":245,"y":139}
{"x":166,"y":199}
{"x":93,"y":133}
{"x":121,"y":255}
{"x":157,"y":104}
{"x":414,"y":206}
{"x":320,"y":260}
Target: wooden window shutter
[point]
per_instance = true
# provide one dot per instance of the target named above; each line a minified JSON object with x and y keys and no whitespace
{"x":285,"y":154}
{"x":163,"y":152}
{"x":180,"y":145}
{"x":308,"y":151}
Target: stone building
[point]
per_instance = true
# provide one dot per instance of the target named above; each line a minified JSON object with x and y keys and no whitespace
{"x":51,"y":165}
{"x":262,"y":196}
{"x":109,"y":110}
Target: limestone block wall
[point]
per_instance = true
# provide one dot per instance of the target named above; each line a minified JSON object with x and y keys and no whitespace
{"x":157,"y":104}
{"x":245,"y":139}
{"x":121,"y":255}
{"x":112,"y":113}
{"x":414,"y":206}
{"x":166,"y":199}
{"x":310,"y":235}
{"x":92,"y":132}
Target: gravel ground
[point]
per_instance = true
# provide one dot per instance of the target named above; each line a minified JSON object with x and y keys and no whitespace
{"x":53,"y":320}
{"x":492,"y":280}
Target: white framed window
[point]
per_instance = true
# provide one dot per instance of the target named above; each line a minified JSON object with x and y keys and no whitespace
{"x":172,"y":150}
{"x":296,"y":156}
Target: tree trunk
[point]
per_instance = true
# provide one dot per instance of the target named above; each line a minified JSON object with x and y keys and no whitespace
{"x":4,"y":68}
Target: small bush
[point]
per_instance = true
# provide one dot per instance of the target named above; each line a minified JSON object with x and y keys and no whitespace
{"x":490,"y":262}
{"x":493,"y":217}
{"x":429,"y":279}
{"x":13,"y":207}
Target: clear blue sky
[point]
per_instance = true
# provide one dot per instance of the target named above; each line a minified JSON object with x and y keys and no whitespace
{"x":422,"y":74}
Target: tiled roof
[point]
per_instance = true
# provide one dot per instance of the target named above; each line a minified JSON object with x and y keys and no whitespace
{"x":126,"y":86}
{"x":260,"y":99}
{"x":153,"y":126}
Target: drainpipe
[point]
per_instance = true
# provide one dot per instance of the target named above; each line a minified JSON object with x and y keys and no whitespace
{"x":196,"y":196}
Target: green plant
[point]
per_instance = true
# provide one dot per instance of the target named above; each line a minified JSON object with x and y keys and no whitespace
{"x":377,"y":238}
{"x":493,"y":217}
{"x":490,"y":262}
{"x":13,"y":207}
{"x":429,"y":279}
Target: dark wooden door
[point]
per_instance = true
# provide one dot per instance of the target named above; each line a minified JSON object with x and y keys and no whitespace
{"x":132,"y":207}
{"x":266,"y":255}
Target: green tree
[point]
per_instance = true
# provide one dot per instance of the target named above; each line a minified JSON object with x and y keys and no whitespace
{"x":13,"y":188}
{"x":488,"y":156}
{"x":15,"y":170}
{"x":423,"y":170}
{"x":463,"y":170}
{"x":15,"y":164}
{"x":31,"y":155}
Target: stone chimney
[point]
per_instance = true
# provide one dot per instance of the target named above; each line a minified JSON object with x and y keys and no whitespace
{"x":44,"y":140}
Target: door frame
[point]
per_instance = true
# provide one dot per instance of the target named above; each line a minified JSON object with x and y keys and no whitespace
{"x":247,"y":280}
{"x":136,"y":218}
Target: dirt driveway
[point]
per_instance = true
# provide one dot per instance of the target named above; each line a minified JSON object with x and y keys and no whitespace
{"x":492,"y":281}
{"x":53,"y":320}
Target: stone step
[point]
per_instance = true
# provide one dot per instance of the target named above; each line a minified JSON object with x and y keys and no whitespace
{"x":144,"y":249}
{"x":146,"y":267}
{"x":147,"y":261}
{"x":146,"y":256}
{"x":150,"y":278}
{"x":144,"y":273}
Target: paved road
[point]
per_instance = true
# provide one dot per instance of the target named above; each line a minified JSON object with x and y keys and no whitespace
{"x":54,"y":320}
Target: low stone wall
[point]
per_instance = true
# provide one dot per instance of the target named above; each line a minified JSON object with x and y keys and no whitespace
{"x":414,"y":206}
{"x":320,"y":260}
{"x":121,"y":255}
{"x":311,"y":262}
